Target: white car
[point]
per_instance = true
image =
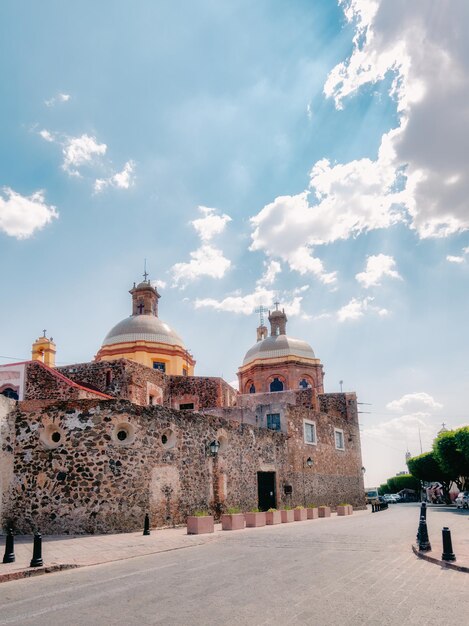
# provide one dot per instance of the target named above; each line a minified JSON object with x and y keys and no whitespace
{"x":462,"y":500}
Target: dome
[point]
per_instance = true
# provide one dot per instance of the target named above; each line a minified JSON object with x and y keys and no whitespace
{"x":279,"y":346}
{"x":143,"y":328}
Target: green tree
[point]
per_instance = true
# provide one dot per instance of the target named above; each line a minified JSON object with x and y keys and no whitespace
{"x":461,"y":436}
{"x":405,"y":481}
{"x":450,"y":458}
{"x":383,"y":488}
{"x":425,"y":467}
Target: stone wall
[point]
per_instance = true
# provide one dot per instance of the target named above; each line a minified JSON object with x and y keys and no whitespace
{"x":203,"y":392}
{"x":7,"y":411}
{"x":120,"y":379}
{"x":42,"y":382}
{"x":336,"y":475}
{"x":143,"y":385}
{"x":75,"y":472}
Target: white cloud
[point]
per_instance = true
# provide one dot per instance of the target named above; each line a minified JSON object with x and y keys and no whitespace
{"x":21,"y":216}
{"x":205,"y":261}
{"x":377,"y":267}
{"x":158,"y":284}
{"x":357,"y":307}
{"x":455,"y":259}
{"x":47,"y":135}
{"x":414,"y":401}
{"x":272,"y":268}
{"x":247,"y":303}
{"x":60,"y":97}
{"x":119,"y":180}
{"x":79,"y":151}
{"x":211,"y":224}
{"x":405,"y":428}
{"x":430,"y":66}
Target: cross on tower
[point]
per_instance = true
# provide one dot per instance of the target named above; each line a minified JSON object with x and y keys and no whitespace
{"x":261,"y":310}
{"x":140,"y":307}
{"x":145,"y":273}
{"x":276,"y":305}
{"x":44,"y":331}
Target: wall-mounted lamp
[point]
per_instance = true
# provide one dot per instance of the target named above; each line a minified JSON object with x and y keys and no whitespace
{"x":309,"y":462}
{"x":213,"y":447}
{"x":363,"y":470}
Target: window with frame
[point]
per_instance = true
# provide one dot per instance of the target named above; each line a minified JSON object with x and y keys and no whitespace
{"x":159,"y":365}
{"x":309,"y":429}
{"x":339,"y":439}
{"x":273,"y":421}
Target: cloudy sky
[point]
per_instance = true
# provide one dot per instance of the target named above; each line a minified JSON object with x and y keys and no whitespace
{"x":314,"y":152}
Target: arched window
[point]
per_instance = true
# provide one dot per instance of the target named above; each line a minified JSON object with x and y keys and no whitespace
{"x":252,"y":389}
{"x":304,"y":384}
{"x":276,"y":385}
{"x":10,"y":393}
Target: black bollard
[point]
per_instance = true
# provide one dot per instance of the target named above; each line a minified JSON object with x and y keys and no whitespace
{"x":146,"y":526}
{"x":423,"y":510}
{"x":448,"y":554}
{"x":424,"y":543}
{"x":9,"y":556}
{"x":37,"y":561}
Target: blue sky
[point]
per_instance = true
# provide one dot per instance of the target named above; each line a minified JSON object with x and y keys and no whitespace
{"x":310,"y":152}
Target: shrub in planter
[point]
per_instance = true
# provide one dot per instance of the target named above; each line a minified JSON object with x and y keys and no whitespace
{"x":300,"y":514}
{"x":200,"y":523}
{"x":287,"y":514}
{"x":312,"y":512}
{"x":273,"y":516}
{"x":324,"y":511}
{"x":232,"y":519}
{"x":342,"y":509}
{"x":255,"y":518}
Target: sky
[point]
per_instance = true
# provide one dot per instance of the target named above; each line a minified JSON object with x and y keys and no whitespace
{"x":310,"y":152}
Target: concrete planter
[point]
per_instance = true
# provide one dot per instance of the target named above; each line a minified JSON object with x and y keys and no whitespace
{"x":300,"y":515}
{"x":287,"y":515}
{"x":232,"y":521}
{"x":312,"y":513}
{"x":350,"y":509}
{"x":324,"y":511}
{"x":342,"y":509}
{"x":200,"y":525}
{"x":254,"y":520}
{"x":273,"y":517}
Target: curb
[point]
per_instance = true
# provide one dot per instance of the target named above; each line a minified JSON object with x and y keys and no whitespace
{"x":444,"y":564}
{"x":35,"y":571}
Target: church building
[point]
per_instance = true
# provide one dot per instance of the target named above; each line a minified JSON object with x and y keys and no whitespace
{"x":92,"y":447}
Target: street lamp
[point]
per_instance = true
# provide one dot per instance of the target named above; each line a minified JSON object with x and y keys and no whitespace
{"x":214,"y":446}
{"x":308,"y":463}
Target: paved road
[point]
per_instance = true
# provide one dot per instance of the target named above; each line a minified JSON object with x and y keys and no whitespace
{"x":354,"y":570}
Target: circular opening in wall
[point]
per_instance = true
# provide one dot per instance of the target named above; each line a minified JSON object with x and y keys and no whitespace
{"x":51,"y":436}
{"x":168,"y":439}
{"x":123,"y":433}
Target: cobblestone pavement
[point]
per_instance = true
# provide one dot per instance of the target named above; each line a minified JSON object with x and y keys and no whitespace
{"x":354,"y":570}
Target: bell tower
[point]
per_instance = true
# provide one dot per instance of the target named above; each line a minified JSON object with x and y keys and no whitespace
{"x":44,"y":350}
{"x":144,"y":299}
{"x":278,"y":322}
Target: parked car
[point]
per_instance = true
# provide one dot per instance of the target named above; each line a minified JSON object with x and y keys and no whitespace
{"x":384,"y":503}
{"x":462,"y":500}
{"x":388,"y":498}
{"x":397,"y":497}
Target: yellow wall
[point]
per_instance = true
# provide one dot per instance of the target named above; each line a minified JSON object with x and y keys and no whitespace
{"x":146,"y":353}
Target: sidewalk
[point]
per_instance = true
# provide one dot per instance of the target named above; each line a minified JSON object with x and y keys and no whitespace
{"x":457,"y":520}
{"x":65,"y":551}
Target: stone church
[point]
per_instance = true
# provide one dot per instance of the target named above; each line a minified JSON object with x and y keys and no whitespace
{"x":92,"y":447}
